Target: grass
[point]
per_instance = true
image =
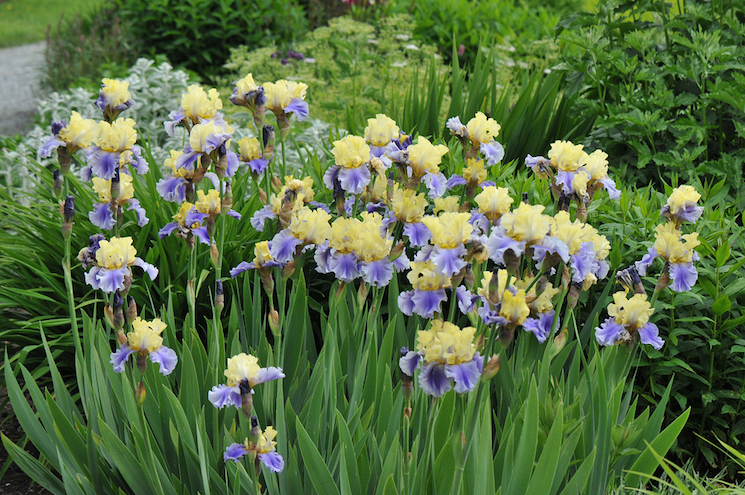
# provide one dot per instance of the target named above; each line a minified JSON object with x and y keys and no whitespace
{"x":26,"y":21}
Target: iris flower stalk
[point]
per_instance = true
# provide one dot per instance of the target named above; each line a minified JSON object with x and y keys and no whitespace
{"x":68,"y":214}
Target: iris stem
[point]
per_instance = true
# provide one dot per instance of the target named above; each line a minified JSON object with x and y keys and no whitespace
{"x":71,"y":298}
{"x":461,"y":463}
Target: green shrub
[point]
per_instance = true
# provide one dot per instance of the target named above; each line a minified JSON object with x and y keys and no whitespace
{"x":198,"y":33}
{"x":666,"y":89}
{"x":350,"y":66}
{"x":522,"y":30}
{"x":85,"y":49}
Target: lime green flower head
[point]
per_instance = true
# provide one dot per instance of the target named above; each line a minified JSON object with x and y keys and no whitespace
{"x":103,"y":188}
{"x":449,"y":230}
{"x":494,"y":202}
{"x":118,"y":136}
{"x":631,"y":313}
{"x":425,"y":157}
{"x":381,"y":130}
{"x":526,"y":223}
{"x":482,"y":129}
{"x":199,"y":105}
{"x":565,"y":155}
{"x":145,"y":336}
{"x":79,"y":133}
{"x":351,"y":152}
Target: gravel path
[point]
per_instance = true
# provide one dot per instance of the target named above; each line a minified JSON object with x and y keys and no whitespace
{"x":20,"y":76}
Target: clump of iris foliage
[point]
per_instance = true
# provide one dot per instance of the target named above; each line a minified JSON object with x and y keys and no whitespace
{"x":398,"y":315}
{"x":664,"y":83}
{"x":317,"y":315}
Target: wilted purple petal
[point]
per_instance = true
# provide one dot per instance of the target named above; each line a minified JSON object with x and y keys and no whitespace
{"x":455,"y":180}
{"x":466,"y":299}
{"x":168,"y":230}
{"x":541,"y":327}
{"x":151,"y":271}
{"x":491,"y":316}
{"x":550,"y":245}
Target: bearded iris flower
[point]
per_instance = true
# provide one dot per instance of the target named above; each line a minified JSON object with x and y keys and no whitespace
{"x":188,"y":221}
{"x":379,"y":132}
{"x":626,"y":318}
{"x":104,"y":212}
{"x":243,"y":374}
{"x":450,"y":233}
{"x":145,"y":340}
{"x":428,"y":290}
{"x":678,"y":250}
{"x":113,"y":264}
{"x":351,"y":157}
{"x":681,"y":205}
{"x":115,"y":148}
{"x":78,"y":134}
{"x":114,"y":98}
{"x":447,"y":355}
{"x":197,"y":107}
{"x":264,"y":448}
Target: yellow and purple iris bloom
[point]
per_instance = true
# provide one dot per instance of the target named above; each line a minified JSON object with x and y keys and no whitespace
{"x":408,"y":207}
{"x":297,"y":192}
{"x":252,"y":156}
{"x":503,"y":303}
{"x":423,"y":163}
{"x":428,"y":290}
{"x":114,"y":149}
{"x":172,"y":187}
{"x":629,"y":317}
{"x":577,"y":173}
{"x":474,"y":175}
{"x":145,"y":339}
{"x":188,"y":220}
{"x":197,"y":107}
{"x":114,"y":98}
{"x":493,"y":202}
{"x":678,"y":250}
{"x":249,"y":94}
{"x":104,"y":212}
{"x":113,"y":261}
{"x":78,"y":134}
{"x":682,"y":205}
{"x":285,"y":97}
{"x":350,"y":170}
{"x":264,"y":448}
{"x":243,"y":374}
{"x":379,"y":132}
{"x":208,"y":139}
{"x":262,"y":259}
{"x":481,"y":131}
{"x":447,"y":355}
{"x":450,"y":232}
{"x":307,"y":228}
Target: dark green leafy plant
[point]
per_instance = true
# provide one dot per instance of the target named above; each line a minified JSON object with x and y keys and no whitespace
{"x":198,"y":34}
{"x":664,"y":84}
{"x":83,"y":50}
